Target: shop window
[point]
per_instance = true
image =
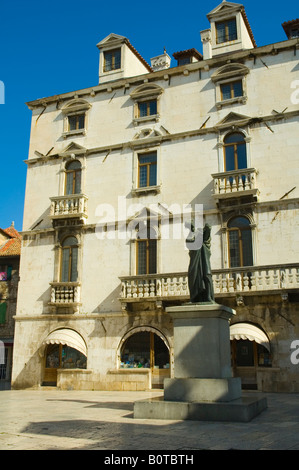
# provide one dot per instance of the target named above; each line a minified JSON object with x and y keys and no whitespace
{"x":144,"y":350}
{"x":247,"y":353}
{"x":73,"y":178}
{"x":60,"y":356}
{"x":69,"y":260}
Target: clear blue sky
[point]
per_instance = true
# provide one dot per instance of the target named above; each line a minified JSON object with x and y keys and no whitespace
{"x":49,"y":47}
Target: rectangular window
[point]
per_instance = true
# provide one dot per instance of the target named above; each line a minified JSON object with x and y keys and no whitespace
{"x":112,"y":60}
{"x":231,"y":90}
{"x":226,"y":31}
{"x":76,"y":122}
{"x":147,"y":170}
{"x":146,"y":256}
{"x":147,"y":108}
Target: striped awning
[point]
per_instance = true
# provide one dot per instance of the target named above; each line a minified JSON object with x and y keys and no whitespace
{"x":69,"y":337}
{"x":250,"y":332}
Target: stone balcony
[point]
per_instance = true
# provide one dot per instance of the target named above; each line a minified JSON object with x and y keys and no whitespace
{"x":70,"y":206}
{"x":235,"y":184}
{"x":65,"y":295}
{"x":227,"y":282}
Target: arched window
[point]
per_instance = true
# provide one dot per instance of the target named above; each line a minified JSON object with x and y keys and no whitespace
{"x":146,"y":349}
{"x":69,"y":260}
{"x":235,"y":156}
{"x":240,"y":242}
{"x":73,"y":178}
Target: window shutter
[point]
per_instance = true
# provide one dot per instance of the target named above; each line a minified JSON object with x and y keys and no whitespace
{"x":3,"y":307}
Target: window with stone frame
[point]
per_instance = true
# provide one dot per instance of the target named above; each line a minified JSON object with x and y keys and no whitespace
{"x":231,"y":90}
{"x":226,"y":31}
{"x":112,"y":60}
{"x":147,"y":169}
{"x":69,"y":260}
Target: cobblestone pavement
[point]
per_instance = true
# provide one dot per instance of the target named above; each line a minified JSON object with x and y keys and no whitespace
{"x":49,"y":419}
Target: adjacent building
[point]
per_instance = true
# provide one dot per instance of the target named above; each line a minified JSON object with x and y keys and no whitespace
{"x":10,"y":250}
{"x":117,"y":172}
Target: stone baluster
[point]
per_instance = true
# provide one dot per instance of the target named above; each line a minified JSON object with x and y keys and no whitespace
{"x":134,"y":289}
{"x":146,"y":288}
{"x":140,"y":288}
{"x":245,"y":282}
{"x":152,"y":288}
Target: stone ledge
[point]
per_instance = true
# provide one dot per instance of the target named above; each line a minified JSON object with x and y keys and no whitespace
{"x":243,"y":409}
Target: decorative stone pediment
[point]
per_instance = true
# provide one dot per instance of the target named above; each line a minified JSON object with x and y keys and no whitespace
{"x":231,"y":70}
{"x":146,"y":91}
{"x":147,"y":134}
{"x":233,"y":119}
{"x":225,"y":8}
{"x":72,"y":149}
{"x":111,"y":40}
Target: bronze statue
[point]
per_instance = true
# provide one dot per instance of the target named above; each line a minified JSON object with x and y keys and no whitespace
{"x":199,"y":272}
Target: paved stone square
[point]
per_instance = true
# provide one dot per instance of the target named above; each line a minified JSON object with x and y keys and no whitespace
{"x":49,"y":419}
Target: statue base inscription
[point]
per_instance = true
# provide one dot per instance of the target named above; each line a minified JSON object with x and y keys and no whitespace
{"x":202,"y":387}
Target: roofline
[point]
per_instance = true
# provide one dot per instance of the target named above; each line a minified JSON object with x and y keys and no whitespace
{"x":213,"y":62}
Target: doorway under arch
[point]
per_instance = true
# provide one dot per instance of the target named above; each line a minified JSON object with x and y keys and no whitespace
{"x":146,"y":347}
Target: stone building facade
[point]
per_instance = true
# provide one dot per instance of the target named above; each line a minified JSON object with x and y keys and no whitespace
{"x":117,"y":171}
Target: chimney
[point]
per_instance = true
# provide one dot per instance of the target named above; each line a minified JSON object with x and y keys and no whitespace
{"x":206,"y":44}
{"x":160,"y":62}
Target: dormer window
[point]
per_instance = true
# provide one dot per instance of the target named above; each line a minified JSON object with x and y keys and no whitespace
{"x":226,"y":31}
{"x":112,"y":60}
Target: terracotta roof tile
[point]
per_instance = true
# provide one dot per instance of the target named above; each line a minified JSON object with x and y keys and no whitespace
{"x":11,"y":247}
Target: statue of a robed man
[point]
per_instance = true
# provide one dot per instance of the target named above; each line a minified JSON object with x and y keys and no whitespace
{"x":199,"y":272}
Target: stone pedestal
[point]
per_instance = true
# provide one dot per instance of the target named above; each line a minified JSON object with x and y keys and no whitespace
{"x":202,"y":387}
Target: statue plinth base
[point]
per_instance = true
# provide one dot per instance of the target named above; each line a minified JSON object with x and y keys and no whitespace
{"x":202,"y":387}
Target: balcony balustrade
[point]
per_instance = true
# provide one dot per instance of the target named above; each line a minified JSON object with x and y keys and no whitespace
{"x":65,"y":293}
{"x":72,"y":205}
{"x":174,"y":286}
{"x":235,"y":183}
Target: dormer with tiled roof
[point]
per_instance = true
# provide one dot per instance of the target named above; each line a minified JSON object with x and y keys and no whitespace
{"x":291,"y":28}
{"x":10,"y":242}
{"x":119,"y":59}
{"x":230,"y":31}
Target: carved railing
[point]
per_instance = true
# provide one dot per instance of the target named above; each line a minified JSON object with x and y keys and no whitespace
{"x":235,"y":280}
{"x":65,"y":293}
{"x":73,"y":205}
{"x":237,"y":181}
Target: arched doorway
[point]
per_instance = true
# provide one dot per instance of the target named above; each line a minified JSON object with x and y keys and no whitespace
{"x":145,"y":347}
{"x":64,"y":349}
{"x":250,"y":350}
